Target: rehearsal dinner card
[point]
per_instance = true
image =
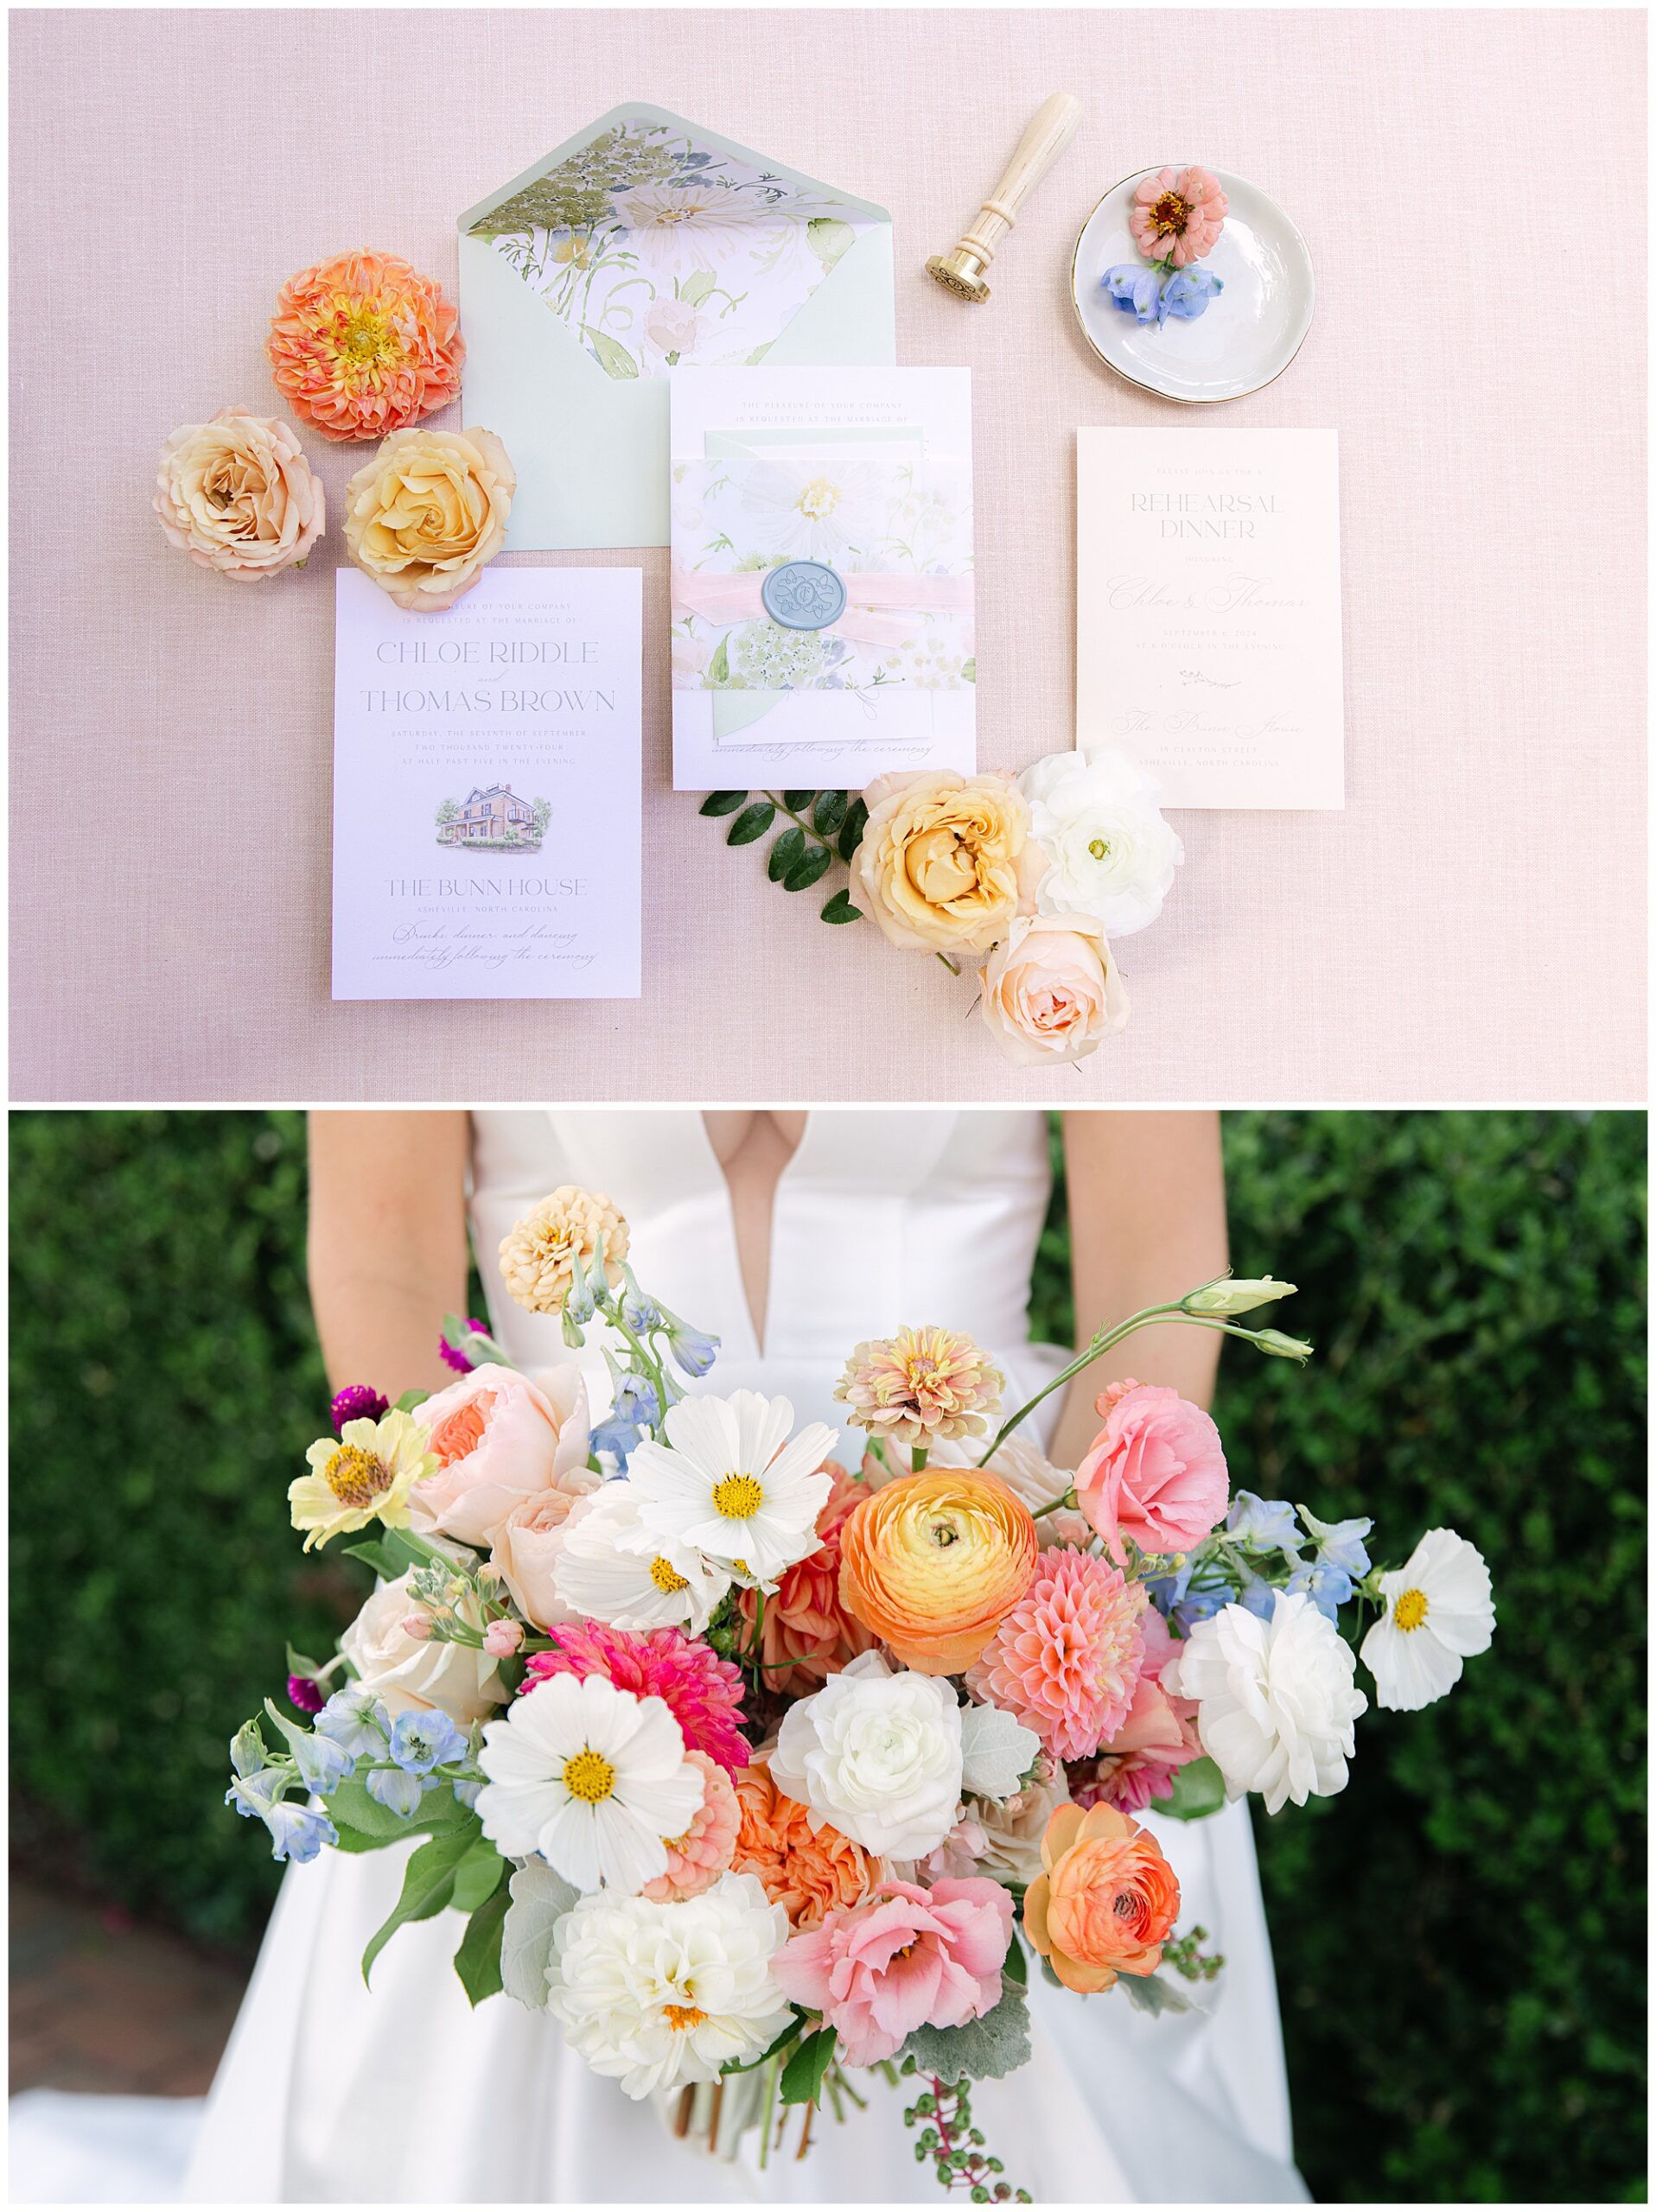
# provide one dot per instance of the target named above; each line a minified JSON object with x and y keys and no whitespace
{"x":1208,"y":582}
{"x":822,"y":589}
{"x":487,"y":769}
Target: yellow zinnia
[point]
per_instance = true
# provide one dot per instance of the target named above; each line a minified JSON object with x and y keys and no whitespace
{"x":364,"y":1474}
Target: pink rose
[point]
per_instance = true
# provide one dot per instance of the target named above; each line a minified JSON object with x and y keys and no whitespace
{"x":1052,"y":991}
{"x":527,"y":1546}
{"x":499,"y":1439}
{"x":909,"y":1958}
{"x":1155,"y":1473}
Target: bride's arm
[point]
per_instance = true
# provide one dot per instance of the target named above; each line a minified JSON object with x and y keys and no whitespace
{"x":387,"y":1243}
{"x":1147,"y":1223}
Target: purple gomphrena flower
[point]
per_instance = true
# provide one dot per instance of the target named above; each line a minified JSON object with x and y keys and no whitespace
{"x":305,"y":1694}
{"x":458,"y":1360}
{"x":356,"y":1401}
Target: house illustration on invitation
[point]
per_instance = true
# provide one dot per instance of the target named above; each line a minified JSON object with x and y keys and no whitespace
{"x":493,"y":817}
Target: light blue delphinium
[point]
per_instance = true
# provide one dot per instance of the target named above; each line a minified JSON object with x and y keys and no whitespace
{"x":619,"y":1438}
{"x":466,"y":1789}
{"x":632,"y":1397}
{"x":398,"y":1792}
{"x":357,"y":1722}
{"x":1340,"y":1542}
{"x":1326,"y":1586}
{"x":694,"y":1350}
{"x":1136,"y":290}
{"x":638,"y":1309}
{"x":1256,"y":1596}
{"x":1268,"y":1524}
{"x":1172,"y":1597}
{"x":420,"y":1741}
{"x":298,"y":1834}
{"x":255,"y":1795}
{"x":247,"y":1752}
{"x":322,"y":1763}
{"x":1188,"y":292}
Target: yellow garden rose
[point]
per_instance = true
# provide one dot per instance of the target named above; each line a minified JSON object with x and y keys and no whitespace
{"x":426,"y":516}
{"x":932,"y":1564}
{"x":938,"y":864}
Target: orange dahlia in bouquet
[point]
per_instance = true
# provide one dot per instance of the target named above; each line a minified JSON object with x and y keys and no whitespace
{"x":363,"y":343}
{"x":756,"y":1777}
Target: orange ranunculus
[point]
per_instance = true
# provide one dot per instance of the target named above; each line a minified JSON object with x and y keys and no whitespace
{"x":933,"y":1562}
{"x":1107,"y":1901}
{"x":809,"y":1870}
{"x":805,"y":1620}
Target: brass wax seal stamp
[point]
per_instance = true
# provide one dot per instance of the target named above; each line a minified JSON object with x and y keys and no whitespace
{"x":1051,"y":128}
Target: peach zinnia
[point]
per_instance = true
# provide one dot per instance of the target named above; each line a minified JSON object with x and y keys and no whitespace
{"x":922,"y":1386}
{"x":1177,"y":214}
{"x":1106,"y":1903}
{"x":363,"y":344}
{"x":933,"y":1563}
{"x":808,"y":1868}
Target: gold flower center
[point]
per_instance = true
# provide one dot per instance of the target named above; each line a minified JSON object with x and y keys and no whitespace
{"x":366,"y":339}
{"x":738,"y":1497}
{"x":355,"y":1476}
{"x":1099,"y":848}
{"x":589,"y":1776}
{"x":682,"y":2016}
{"x":945,"y":1533}
{"x":666,"y":1578}
{"x":1170,"y":215}
{"x":1411,"y":1609}
{"x":818,"y":498}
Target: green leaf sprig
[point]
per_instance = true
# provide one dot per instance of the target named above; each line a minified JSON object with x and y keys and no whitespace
{"x":824,"y":828}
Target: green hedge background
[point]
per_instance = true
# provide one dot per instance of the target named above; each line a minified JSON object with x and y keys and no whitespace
{"x":1459,"y":1936}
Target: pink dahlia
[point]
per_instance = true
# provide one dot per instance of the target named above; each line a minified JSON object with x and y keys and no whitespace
{"x":1138,"y":1763}
{"x":1177,"y":215}
{"x":1066,"y":1658}
{"x":702,"y":1691}
{"x":696,"y":1859}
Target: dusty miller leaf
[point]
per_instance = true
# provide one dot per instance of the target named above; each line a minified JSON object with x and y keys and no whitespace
{"x":981,"y":2050}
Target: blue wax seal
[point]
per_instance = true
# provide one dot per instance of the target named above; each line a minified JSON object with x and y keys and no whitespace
{"x":803,"y":595}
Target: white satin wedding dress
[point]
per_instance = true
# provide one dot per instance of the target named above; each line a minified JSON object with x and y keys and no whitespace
{"x":329,"y":2092}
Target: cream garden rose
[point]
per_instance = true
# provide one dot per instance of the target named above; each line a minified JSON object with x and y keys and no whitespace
{"x":942,"y":863}
{"x":238,"y":495}
{"x":403,"y":1671}
{"x":1052,"y":991}
{"x":427,"y":513}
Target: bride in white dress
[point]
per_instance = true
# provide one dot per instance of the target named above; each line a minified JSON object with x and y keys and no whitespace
{"x":793,"y":1237}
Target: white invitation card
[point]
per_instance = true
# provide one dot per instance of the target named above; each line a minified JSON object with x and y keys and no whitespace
{"x":486,"y":772}
{"x":1207,"y":637}
{"x":821,"y":575}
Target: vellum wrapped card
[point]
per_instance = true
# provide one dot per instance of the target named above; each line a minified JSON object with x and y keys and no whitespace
{"x":821,"y":575}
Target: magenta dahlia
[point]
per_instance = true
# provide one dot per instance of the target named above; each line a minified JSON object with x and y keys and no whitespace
{"x":702,"y":1691}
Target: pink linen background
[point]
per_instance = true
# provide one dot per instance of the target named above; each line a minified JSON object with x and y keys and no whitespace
{"x":1470,"y":929}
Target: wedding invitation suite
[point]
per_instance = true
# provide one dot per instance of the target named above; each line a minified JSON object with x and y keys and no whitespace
{"x":821,"y":575}
{"x":486,"y":788}
{"x":1207,"y":581}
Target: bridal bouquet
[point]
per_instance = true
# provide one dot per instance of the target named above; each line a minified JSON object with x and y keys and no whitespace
{"x":763,"y":1774}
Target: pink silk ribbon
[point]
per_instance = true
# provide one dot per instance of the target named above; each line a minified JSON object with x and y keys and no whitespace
{"x":723,"y":599}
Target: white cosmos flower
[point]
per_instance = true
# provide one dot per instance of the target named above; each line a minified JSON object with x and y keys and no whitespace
{"x":814,"y":503}
{"x":877,"y":1756}
{"x":1276,"y":1699}
{"x":611,"y":1568}
{"x":730,"y":1483}
{"x":1438,"y":1612}
{"x":658,"y":1995}
{"x":593,"y":1778}
{"x":1095,"y":816}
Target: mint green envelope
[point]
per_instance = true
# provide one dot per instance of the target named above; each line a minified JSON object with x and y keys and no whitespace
{"x":641,"y":242}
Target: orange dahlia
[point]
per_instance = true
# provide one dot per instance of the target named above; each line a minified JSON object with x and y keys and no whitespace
{"x":809,"y":1870}
{"x":363,"y":344}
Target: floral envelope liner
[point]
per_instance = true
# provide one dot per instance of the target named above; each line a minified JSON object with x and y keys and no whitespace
{"x":656,"y":251}
{"x":870,"y":505}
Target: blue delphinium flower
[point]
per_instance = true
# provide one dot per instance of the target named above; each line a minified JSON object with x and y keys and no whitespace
{"x":1268,"y":1524}
{"x":1326,"y":1586}
{"x":1256,"y":1596}
{"x":398,"y":1792}
{"x":1188,"y":292}
{"x":322,"y":1762}
{"x":466,"y":1789}
{"x":619,"y":1438}
{"x":693,"y":1349}
{"x":255,"y":1795}
{"x":299,"y":1833}
{"x":1136,"y":290}
{"x":247,"y":1752}
{"x":357,"y":1722}
{"x":1172,"y":1597}
{"x":1340,"y":1542}
{"x":638,"y":1309}
{"x":634,"y":1401}
{"x":420,"y":1741}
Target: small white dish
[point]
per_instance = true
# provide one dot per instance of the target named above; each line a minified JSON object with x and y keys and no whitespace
{"x":1250,"y":333}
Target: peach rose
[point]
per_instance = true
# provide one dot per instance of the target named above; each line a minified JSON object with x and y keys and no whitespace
{"x":238,"y":495}
{"x":939,"y":865}
{"x":933,"y":1562}
{"x":805,"y":1621}
{"x":1052,"y":991}
{"x":1107,"y":1901}
{"x":527,"y":1547}
{"x":500,"y":1438}
{"x":806,"y":1866}
{"x":426,"y":516}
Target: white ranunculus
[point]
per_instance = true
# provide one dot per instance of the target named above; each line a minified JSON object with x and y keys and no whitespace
{"x":1276,"y":1699}
{"x":1095,"y":815}
{"x":876,"y":1755}
{"x":658,"y":1995}
{"x":1439,"y":1611}
{"x":402,"y":1672}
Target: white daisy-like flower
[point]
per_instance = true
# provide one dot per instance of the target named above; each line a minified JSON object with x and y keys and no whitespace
{"x":1277,"y":1699}
{"x":614,"y":1569}
{"x":674,"y":228}
{"x":729,"y":1483}
{"x":814,"y":504}
{"x":658,"y":1995}
{"x":1096,"y":817}
{"x":1439,"y":1613}
{"x":593,"y":1778}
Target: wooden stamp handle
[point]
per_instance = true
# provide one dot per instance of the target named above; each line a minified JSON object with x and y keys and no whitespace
{"x":1050,"y":130}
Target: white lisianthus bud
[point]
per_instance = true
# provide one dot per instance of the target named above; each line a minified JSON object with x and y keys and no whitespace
{"x":1236,"y":1294}
{"x":1273,"y":1343}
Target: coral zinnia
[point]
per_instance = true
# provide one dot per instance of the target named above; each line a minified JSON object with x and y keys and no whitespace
{"x":1067,"y":1656}
{"x":702,"y":1691}
{"x":805,"y":1621}
{"x":1177,"y":214}
{"x":363,"y":344}
{"x":921,"y":1386}
{"x":807,"y":1867}
{"x":700,"y":1855}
